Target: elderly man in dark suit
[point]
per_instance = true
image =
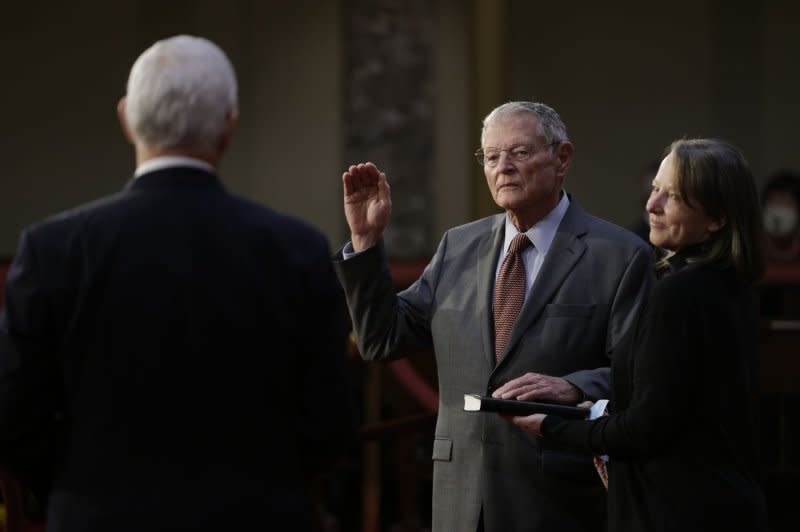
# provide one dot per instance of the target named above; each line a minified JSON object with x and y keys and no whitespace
{"x":538,"y":297}
{"x":164,"y":350}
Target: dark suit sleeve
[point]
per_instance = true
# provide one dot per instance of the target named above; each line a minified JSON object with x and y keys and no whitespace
{"x":28,"y":373}
{"x":327,"y":419}
{"x":628,"y":303}
{"x":387,"y":325}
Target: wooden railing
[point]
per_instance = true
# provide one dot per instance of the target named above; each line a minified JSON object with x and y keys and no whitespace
{"x":415,"y":400}
{"x":779,"y":296}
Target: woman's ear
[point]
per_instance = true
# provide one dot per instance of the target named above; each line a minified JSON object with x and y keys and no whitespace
{"x":716,"y":225}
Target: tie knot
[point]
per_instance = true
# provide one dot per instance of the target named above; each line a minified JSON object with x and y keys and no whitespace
{"x":519,"y":243}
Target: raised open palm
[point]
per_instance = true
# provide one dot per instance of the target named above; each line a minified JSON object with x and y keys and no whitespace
{"x":367,"y":204}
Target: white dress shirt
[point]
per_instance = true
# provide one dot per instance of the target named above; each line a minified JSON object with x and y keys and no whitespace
{"x":541,"y":236}
{"x":167,"y":161}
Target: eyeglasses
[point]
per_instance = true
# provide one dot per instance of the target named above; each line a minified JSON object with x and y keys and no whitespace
{"x":490,"y":157}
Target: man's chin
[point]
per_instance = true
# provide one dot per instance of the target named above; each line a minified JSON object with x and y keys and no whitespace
{"x":508,"y":200}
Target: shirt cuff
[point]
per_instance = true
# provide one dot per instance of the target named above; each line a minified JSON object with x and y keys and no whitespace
{"x":348,"y":252}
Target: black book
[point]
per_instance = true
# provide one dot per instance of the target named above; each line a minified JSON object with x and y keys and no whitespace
{"x":479,"y":403}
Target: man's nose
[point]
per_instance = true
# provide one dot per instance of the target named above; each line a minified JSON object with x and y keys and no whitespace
{"x":504,"y":162}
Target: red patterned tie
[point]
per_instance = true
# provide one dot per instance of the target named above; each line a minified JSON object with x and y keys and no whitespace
{"x":509,"y":293}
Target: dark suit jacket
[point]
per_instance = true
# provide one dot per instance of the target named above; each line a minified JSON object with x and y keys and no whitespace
{"x":166,"y":351}
{"x":585,"y":298}
{"x":683,"y":438}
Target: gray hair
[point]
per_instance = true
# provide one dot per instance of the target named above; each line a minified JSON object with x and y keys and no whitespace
{"x":548,"y":124}
{"x":180,"y":92}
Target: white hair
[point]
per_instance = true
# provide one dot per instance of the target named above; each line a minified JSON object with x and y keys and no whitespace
{"x":180,"y":92}
{"x":548,"y":123}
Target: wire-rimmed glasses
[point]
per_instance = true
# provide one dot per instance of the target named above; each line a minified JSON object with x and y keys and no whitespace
{"x":490,"y":157}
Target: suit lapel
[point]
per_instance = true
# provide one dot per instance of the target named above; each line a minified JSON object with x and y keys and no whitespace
{"x":565,"y":251}
{"x":488,"y":251}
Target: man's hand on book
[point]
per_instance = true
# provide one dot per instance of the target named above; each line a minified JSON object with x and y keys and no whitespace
{"x":538,"y":387}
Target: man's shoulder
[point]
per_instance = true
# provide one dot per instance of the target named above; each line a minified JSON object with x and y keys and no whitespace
{"x":602,"y":232}
{"x":266,"y":218}
{"x":126,"y":209}
{"x":476,"y":228}
{"x":615,"y":232}
{"x":466,"y":237}
{"x":95,"y":210}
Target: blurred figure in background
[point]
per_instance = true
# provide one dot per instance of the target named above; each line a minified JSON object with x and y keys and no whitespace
{"x":780,"y":200}
{"x":165,"y":351}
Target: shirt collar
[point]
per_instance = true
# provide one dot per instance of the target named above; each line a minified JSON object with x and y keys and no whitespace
{"x":166,"y":161}
{"x":543,"y":232}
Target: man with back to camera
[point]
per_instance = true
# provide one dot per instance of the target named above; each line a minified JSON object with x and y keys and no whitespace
{"x":165,"y":349}
{"x":583,"y":283}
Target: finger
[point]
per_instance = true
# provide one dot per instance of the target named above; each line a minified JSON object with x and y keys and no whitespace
{"x":517,"y":388}
{"x":511,"y":392}
{"x":543,"y":388}
{"x":503,"y":392}
{"x":351,"y":179}
{"x":370,"y":174}
{"x":530,"y":423}
{"x":520,"y":421}
{"x":356,"y":179}
{"x":532,"y":395}
{"x":513,"y":385}
{"x":363,"y":177}
{"x":370,"y":167}
{"x":384,"y":190}
{"x":541,"y":391}
{"x":585,"y":404}
{"x":347,"y":183}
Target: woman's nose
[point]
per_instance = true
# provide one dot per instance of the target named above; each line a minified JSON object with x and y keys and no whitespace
{"x":655,"y":202}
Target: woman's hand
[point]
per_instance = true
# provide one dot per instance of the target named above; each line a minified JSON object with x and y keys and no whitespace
{"x":532,"y":423}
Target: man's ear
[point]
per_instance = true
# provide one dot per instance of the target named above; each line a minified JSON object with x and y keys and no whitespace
{"x":230,"y":125}
{"x":564,"y":155}
{"x":123,"y":120}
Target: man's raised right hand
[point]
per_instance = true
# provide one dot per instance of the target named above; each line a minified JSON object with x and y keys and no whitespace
{"x":367,"y":204}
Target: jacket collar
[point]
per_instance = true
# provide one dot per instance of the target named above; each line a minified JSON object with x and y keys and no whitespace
{"x":175,"y":177}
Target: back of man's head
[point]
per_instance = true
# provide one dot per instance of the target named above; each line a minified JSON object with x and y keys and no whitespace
{"x":180,"y":92}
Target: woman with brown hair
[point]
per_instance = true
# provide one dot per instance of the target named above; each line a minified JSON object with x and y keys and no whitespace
{"x":681,"y":435}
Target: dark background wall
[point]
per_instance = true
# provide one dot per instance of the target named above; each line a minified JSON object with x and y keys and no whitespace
{"x":627,"y":77}
{"x":65,"y":65}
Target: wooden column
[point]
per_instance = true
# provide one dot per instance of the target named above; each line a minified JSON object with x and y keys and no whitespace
{"x":389,"y":110}
{"x":490,"y":72}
